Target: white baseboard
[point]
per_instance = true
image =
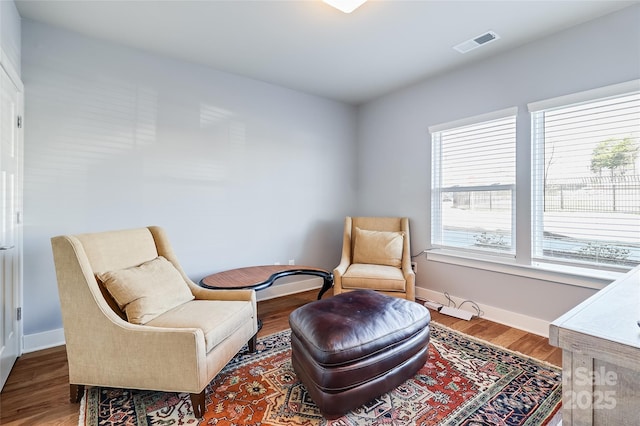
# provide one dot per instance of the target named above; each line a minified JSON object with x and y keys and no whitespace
{"x":45,"y":340}
{"x":49,"y":339}
{"x":502,"y":316}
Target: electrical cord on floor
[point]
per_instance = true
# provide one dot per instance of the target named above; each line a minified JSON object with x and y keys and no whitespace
{"x":450,"y":300}
{"x":479,"y":312}
{"x":416,"y":255}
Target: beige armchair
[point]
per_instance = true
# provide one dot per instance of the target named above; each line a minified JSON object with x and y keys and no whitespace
{"x":376,"y":255}
{"x":133,"y":319}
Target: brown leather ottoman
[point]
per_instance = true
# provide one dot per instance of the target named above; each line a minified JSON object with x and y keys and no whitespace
{"x":356,"y":346}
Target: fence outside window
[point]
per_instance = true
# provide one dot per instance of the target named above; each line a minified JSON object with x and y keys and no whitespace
{"x":598,"y":194}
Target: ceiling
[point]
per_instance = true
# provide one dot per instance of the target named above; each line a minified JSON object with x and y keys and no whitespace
{"x":306,"y":45}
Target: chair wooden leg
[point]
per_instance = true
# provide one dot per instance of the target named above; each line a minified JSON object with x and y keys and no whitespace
{"x":252,"y":343}
{"x":197,"y":401}
{"x":75,"y":393}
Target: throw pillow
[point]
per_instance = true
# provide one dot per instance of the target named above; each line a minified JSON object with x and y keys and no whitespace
{"x":147,"y":290}
{"x":378,"y":247}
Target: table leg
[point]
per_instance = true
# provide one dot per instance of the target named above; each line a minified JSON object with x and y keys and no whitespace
{"x":326,"y":285}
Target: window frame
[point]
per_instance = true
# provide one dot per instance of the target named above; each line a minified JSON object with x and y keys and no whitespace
{"x":437,"y":189}
{"x":524,"y":264}
{"x":536,"y":112}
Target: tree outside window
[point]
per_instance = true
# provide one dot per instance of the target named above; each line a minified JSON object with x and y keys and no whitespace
{"x":617,"y":155}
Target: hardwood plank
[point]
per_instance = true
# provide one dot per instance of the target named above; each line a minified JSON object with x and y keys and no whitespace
{"x":555,"y":357}
{"x":509,"y":337}
{"x":37,"y":391}
{"x":513,"y":339}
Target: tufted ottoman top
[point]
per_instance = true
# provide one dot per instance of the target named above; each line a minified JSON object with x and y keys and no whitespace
{"x":355,"y":325}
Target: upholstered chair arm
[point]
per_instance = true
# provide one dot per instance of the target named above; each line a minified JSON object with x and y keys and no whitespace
{"x":410,"y":277}
{"x":340,"y":270}
{"x":137,"y":356}
{"x":342,"y":267}
{"x":407,"y":271}
{"x":345,"y":258}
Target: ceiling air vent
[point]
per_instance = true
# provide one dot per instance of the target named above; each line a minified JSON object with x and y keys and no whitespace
{"x":476,"y":42}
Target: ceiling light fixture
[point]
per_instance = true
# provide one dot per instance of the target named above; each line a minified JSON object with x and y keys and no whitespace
{"x":346,"y":6}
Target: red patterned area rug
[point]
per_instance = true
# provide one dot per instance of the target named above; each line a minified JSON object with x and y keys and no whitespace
{"x":464,"y":382}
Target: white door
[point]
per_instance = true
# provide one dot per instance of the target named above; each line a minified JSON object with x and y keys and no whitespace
{"x":10,"y":228}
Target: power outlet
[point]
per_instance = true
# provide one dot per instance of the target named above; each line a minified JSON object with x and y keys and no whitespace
{"x":292,"y":261}
{"x":414,"y":266}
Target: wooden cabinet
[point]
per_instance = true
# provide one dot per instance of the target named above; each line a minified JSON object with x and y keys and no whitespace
{"x":600,"y":341}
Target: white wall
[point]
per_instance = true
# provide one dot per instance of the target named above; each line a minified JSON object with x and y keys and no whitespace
{"x":241,"y":172}
{"x":10,"y":35}
{"x":394,"y":157}
{"x":237,"y":171}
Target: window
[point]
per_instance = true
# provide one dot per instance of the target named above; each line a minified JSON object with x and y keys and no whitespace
{"x":586,"y":178}
{"x":473,"y":183}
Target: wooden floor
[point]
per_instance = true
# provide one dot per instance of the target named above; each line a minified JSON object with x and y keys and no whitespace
{"x":37,"y":391}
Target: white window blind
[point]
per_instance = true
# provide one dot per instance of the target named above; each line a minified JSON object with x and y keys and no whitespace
{"x":586,"y":179}
{"x":473,"y":183}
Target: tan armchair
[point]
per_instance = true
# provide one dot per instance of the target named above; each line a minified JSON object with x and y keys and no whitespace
{"x":376,"y":255}
{"x":176,"y":350}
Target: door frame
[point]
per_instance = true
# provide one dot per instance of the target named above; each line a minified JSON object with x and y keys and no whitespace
{"x":14,"y":76}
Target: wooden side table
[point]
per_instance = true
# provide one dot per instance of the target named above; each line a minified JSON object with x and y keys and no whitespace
{"x":261,"y":277}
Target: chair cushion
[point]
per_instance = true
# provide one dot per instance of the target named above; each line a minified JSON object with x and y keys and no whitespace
{"x":375,"y":277}
{"x":218,"y":319}
{"x":378,"y":247}
{"x":147,"y":290}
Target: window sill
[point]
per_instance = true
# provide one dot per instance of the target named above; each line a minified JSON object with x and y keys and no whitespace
{"x":580,"y":277}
